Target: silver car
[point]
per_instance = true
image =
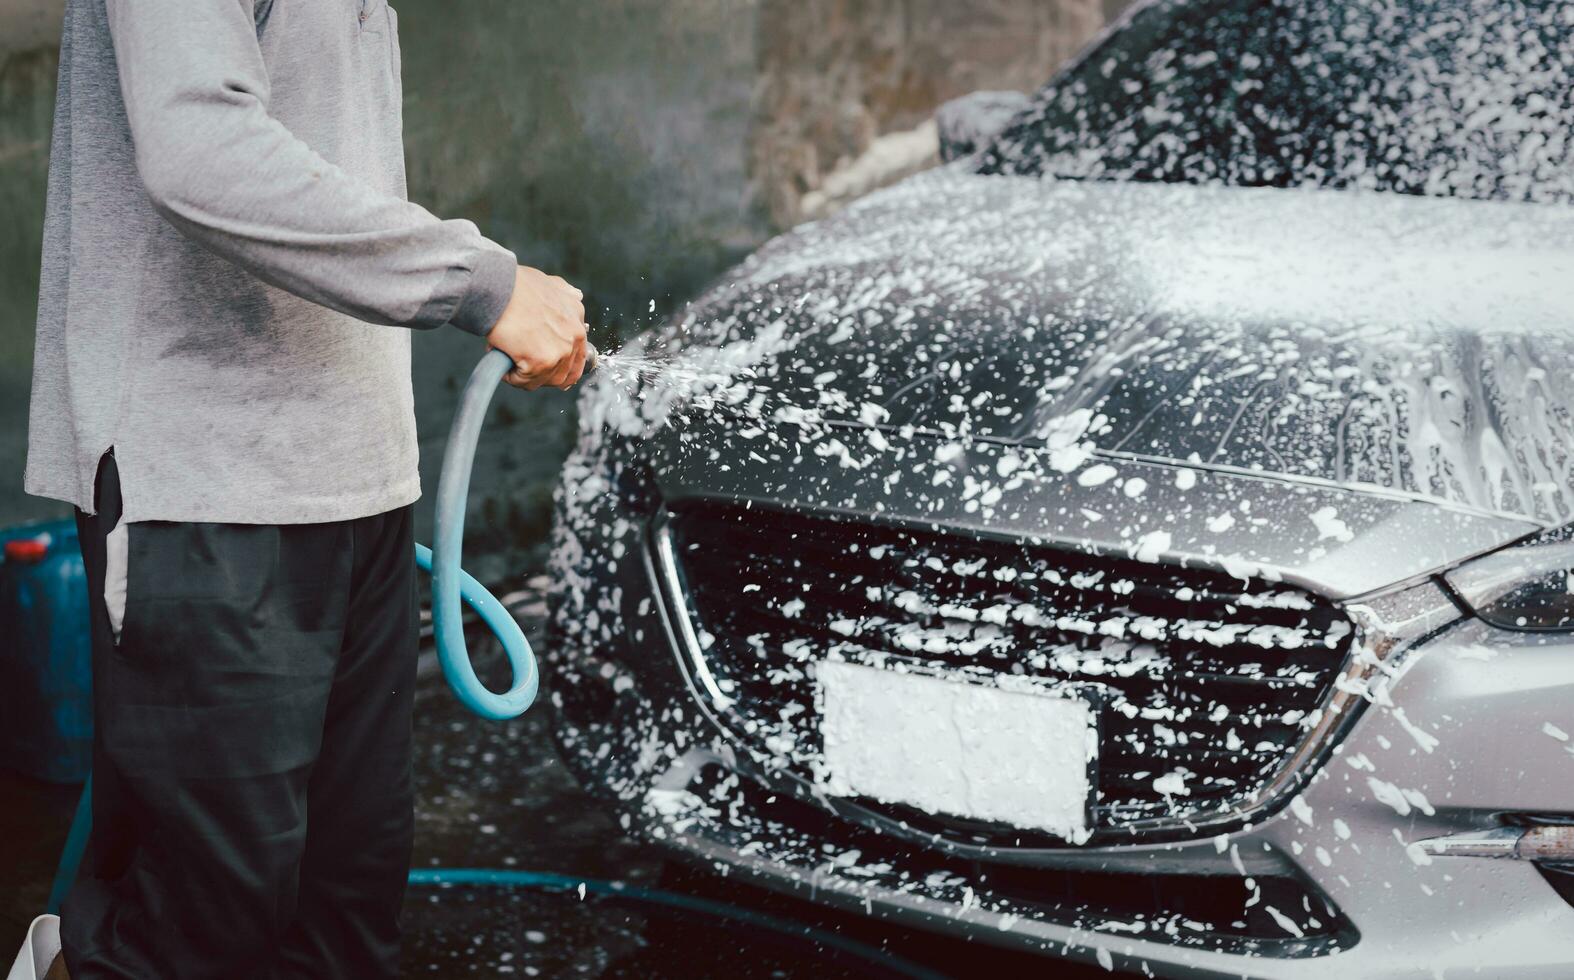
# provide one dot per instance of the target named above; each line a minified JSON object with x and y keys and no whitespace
{"x":1145,"y":538}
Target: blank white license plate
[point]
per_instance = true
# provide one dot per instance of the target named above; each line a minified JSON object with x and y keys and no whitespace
{"x":948,"y":746}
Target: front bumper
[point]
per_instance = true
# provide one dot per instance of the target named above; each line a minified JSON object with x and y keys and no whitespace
{"x":1461,"y":734}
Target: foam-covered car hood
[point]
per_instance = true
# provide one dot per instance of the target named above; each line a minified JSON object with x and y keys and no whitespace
{"x":1417,"y":345}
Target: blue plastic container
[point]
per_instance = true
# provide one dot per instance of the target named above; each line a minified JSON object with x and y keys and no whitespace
{"x":46,"y":658}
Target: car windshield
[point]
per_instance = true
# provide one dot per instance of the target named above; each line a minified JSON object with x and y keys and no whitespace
{"x":1457,"y":98}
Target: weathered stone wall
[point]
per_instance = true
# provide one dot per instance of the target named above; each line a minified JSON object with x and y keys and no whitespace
{"x":835,"y":75}
{"x":29,"y":24}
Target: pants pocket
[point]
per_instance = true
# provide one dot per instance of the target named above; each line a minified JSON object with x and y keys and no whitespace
{"x":228,"y":649}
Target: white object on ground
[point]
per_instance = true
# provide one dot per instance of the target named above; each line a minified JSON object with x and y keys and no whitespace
{"x":39,"y":949}
{"x":1018,"y":757}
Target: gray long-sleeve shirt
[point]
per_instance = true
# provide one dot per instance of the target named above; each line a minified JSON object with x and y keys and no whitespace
{"x":227,"y":249}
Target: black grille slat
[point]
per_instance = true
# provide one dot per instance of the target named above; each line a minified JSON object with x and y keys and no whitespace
{"x":1212,"y":670}
{"x":1050,"y":635}
{"x":1202,"y":657}
{"x":1195,"y":654}
{"x":754,"y":546}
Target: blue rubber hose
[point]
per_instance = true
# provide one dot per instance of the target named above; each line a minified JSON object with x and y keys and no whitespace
{"x":450,"y":583}
{"x":76,"y":844}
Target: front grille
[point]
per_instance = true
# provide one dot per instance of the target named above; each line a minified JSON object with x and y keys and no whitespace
{"x":1206,"y":683}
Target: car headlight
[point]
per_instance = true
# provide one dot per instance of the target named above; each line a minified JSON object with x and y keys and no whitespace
{"x":1528,"y":586}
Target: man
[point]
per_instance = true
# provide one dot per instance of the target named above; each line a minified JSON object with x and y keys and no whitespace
{"x":222,"y":391}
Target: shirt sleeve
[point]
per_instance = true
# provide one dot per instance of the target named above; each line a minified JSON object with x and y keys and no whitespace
{"x":226,"y":173}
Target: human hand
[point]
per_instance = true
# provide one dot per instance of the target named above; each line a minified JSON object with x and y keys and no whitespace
{"x":543,"y":331}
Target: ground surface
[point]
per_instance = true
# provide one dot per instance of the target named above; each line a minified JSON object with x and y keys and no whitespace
{"x":496,"y":796}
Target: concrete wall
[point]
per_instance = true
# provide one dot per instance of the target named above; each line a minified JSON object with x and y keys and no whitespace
{"x":638,"y":147}
{"x":27,"y":95}
{"x":837,"y":75}
{"x":28,"y":24}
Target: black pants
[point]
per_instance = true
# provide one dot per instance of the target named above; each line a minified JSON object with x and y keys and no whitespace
{"x":252,"y":808}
